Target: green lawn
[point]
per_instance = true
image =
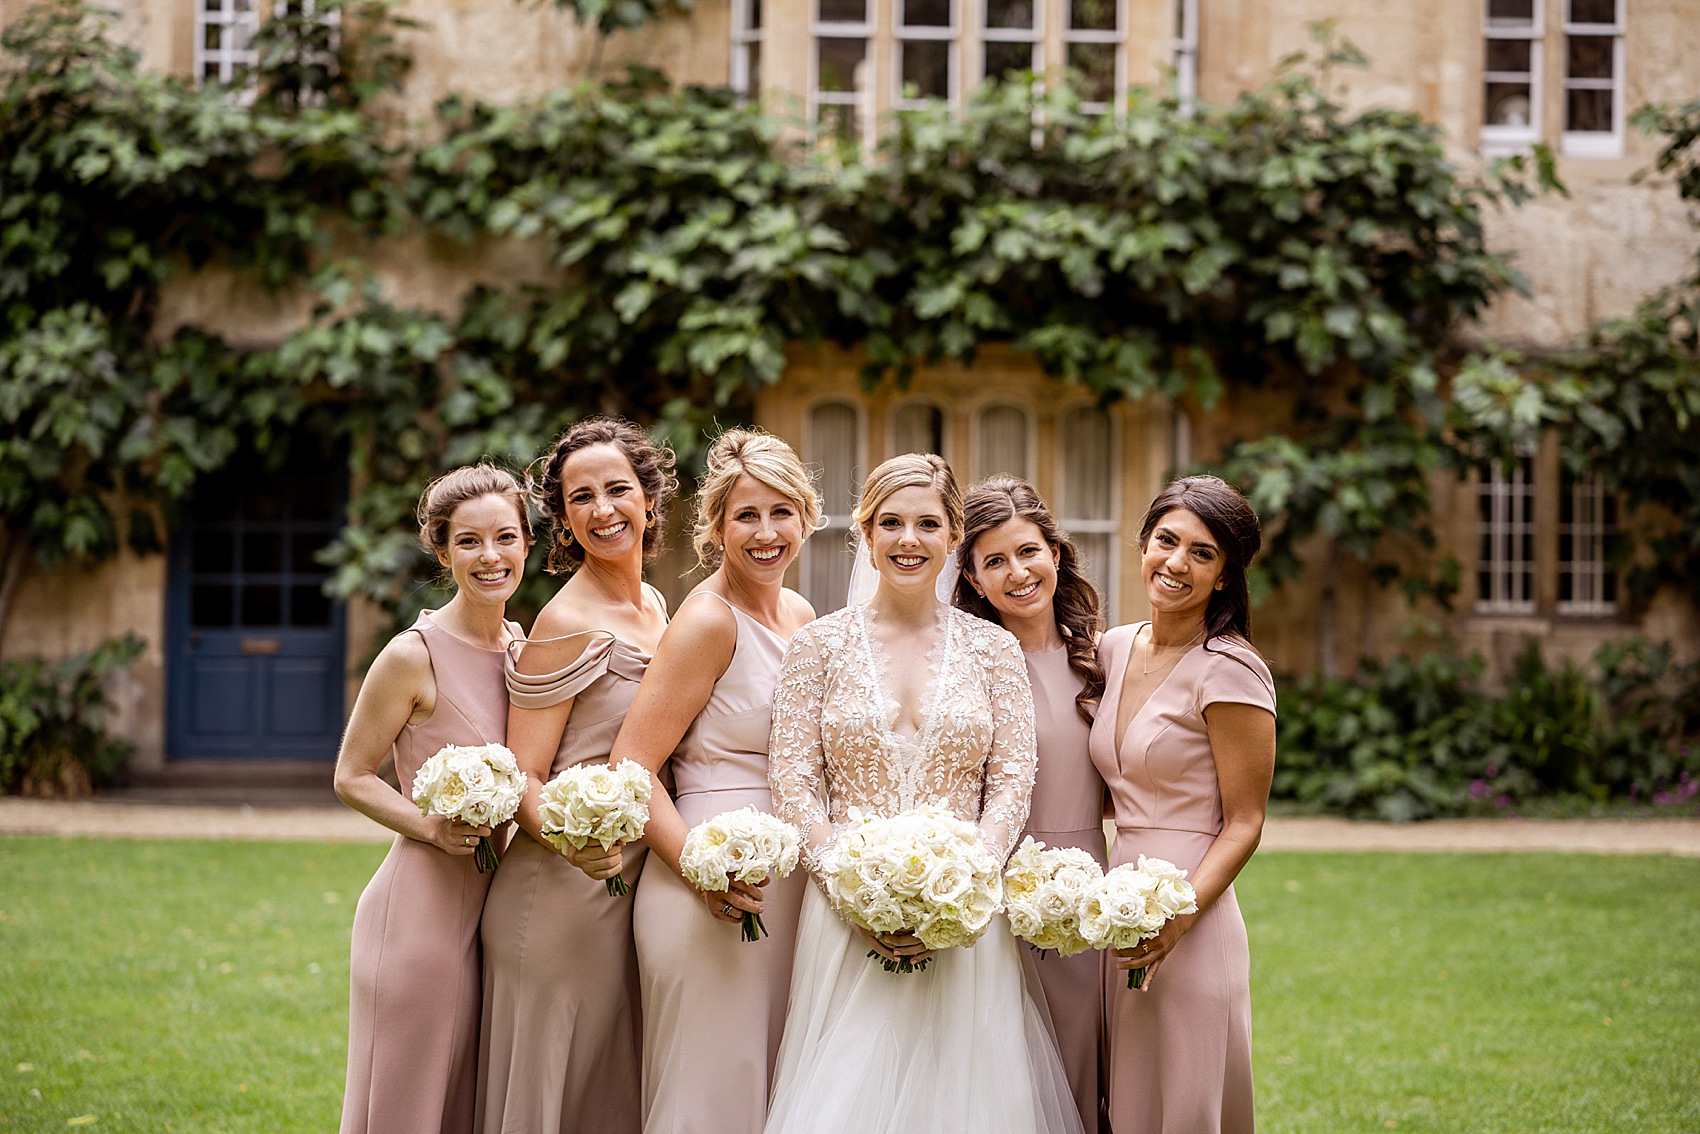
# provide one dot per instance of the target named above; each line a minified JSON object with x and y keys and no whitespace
{"x":202,"y":987}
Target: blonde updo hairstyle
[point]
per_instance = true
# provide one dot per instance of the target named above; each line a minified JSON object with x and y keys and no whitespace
{"x":469,"y":482}
{"x":652,"y":464}
{"x":911,"y":470}
{"x":767,"y":459}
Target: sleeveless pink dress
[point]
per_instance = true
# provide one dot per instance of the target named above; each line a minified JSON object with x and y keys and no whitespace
{"x":413,"y":1006}
{"x":560,"y":1039}
{"x":1068,"y":811}
{"x":1179,"y":1056}
{"x":714,"y":1004}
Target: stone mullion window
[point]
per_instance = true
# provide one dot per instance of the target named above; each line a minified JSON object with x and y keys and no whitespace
{"x":927,"y":65}
{"x":223,"y":30}
{"x":1505,"y":562}
{"x":841,"y":71}
{"x":746,"y":47}
{"x":1587,"y":526}
{"x":1511,"y":73}
{"x":1184,"y":53}
{"x":1012,"y":33}
{"x":1593,"y":78}
{"x":1086,"y":503}
{"x":1093,"y":49}
{"x":834,"y":445}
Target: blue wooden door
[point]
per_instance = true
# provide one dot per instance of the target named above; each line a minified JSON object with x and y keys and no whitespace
{"x":256,"y":647}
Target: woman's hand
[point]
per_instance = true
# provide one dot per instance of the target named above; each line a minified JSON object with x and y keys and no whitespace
{"x":732,"y":903}
{"x":454,"y":837}
{"x":896,"y":946}
{"x":1149,"y":954}
{"x":597,"y":863}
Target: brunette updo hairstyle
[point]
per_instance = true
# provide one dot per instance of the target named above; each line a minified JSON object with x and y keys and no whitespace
{"x":996,"y":501}
{"x":446,"y":493}
{"x":652,"y":463}
{"x":1235,"y":528}
{"x":759,"y":454}
{"x":911,"y":470}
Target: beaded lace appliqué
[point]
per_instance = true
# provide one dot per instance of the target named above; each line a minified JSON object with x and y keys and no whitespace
{"x":834,"y":744}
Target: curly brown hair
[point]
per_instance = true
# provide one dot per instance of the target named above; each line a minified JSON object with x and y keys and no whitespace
{"x":994,"y":502}
{"x":653,"y":465}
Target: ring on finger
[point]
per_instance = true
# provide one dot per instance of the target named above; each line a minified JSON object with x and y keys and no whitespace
{"x":467,"y":841}
{"x":726,"y":909}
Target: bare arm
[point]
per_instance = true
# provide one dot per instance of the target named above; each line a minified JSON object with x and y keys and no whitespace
{"x":399,"y":688}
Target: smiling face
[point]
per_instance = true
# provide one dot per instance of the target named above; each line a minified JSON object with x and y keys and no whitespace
{"x":1181,"y":564}
{"x":486,"y":548}
{"x":1016,"y":569}
{"x":909,"y":538}
{"x":605,"y":504}
{"x":761,"y":532}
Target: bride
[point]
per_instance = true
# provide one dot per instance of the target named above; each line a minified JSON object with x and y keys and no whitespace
{"x":886,"y":705}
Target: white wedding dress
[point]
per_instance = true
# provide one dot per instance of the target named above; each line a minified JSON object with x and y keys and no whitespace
{"x":959,"y":1046}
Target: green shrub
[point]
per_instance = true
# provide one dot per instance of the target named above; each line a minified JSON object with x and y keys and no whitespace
{"x":1413,"y":738}
{"x":53,"y":738}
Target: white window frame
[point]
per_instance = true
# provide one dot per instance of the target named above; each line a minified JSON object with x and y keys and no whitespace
{"x":833,"y":537}
{"x":1076,"y":525}
{"x":746,"y":42}
{"x":1118,"y":38}
{"x":904,"y":33}
{"x":230,"y":63}
{"x":1184,"y":50}
{"x":1589,"y":534}
{"x":1595,"y":143}
{"x":1506,"y":532}
{"x":861,"y":99}
{"x":1033,"y":37}
{"x":1029,"y":440}
{"x":1514,"y":139}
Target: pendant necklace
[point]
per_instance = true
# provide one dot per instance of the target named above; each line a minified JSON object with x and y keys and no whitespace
{"x":1151,"y":648}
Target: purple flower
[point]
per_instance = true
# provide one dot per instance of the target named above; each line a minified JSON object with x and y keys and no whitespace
{"x":1478,"y":789}
{"x":1502,"y":801}
{"x":1493,"y":771}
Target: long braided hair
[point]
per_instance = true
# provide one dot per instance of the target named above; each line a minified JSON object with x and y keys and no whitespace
{"x":994,"y":502}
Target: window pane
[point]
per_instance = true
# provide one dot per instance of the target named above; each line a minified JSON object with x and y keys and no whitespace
{"x":1092,"y":15}
{"x":213,"y":36}
{"x":1588,"y":57}
{"x":309,"y":606}
{"x":1010,"y":13}
{"x":304,"y":548}
{"x":262,"y":551}
{"x":1094,"y":549}
{"x":926,"y":13}
{"x":917,"y":428}
{"x":262,"y":605}
{"x":839,"y":60}
{"x":1004,"y":60}
{"x":833,"y":446}
{"x":1095,"y":63}
{"x":754,"y":52}
{"x":1593,"y":11}
{"x":1503,"y":12}
{"x":212,"y":551}
{"x":1508,"y":104}
{"x":926,"y":68}
{"x":1085,"y":443}
{"x":755,"y":13}
{"x":1510,"y":55}
{"x":210,"y":604}
{"x":843,"y":11}
{"x":1588,"y":112}
{"x":1003,"y":442}
{"x":841,"y":122}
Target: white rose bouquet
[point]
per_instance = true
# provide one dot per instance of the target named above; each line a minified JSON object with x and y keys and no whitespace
{"x":1131,"y":903}
{"x":1043,"y":890}
{"x":593,"y":803}
{"x":924,"y":872}
{"x":746,"y":845}
{"x":478,"y":784}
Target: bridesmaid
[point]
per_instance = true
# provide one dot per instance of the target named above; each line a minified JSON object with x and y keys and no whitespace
{"x":560,"y":1039}
{"x":1186,"y":741}
{"x":412,"y":1058}
{"x":714,"y":1004}
{"x":1021,"y":572}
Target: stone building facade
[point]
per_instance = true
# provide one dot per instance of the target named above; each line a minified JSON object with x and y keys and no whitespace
{"x":1496,"y":75}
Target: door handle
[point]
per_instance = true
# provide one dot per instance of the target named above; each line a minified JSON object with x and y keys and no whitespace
{"x":261,"y":647}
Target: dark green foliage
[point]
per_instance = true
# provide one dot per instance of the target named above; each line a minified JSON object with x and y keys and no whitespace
{"x":53,"y":737}
{"x":1415,"y":738}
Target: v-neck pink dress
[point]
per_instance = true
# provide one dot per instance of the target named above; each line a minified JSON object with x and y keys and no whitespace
{"x":1068,"y":811}
{"x":1179,"y":1056}
{"x":713,"y":1003}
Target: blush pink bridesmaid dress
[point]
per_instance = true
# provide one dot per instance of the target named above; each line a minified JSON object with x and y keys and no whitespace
{"x":560,"y":1038}
{"x":413,"y":1006}
{"x":1068,"y":811}
{"x":1179,"y":1056}
{"x":714,"y":1004}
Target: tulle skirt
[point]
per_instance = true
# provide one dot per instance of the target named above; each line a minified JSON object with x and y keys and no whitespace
{"x":959,"y":1046}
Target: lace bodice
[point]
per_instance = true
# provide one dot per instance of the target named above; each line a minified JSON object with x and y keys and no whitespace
{"x":835,"y":745}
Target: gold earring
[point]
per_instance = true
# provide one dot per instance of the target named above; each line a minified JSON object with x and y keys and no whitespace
{"x":567,"y":539}
{"x":649,"y":518}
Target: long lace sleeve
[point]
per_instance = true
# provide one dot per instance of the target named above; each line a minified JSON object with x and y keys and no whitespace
{"x":796,"y":759}
{"x":1014,"y":758}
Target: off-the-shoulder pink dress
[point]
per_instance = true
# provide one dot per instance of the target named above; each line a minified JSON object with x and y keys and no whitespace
{"x":1179,"y":1056}
{"x":958,"y":1046}
{"x":561,"y":1023}
{"x":714,"y":1004}
{"x":1068,"y":811}
{"x":413,"y":1006}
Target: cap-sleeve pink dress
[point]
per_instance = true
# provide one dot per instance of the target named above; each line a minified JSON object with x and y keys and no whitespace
{"x":412,"y":1055}
{"x":560,"y":1040}
{"x":714,"y":1004}
{"x":1068,"y":811}
{"x":1179,"y":1056}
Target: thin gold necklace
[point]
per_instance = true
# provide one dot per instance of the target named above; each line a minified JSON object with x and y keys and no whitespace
{"x":1151,"y":648}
